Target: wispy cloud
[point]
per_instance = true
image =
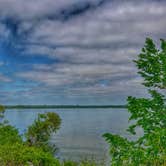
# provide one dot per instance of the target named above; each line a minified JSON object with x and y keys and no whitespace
{"x":4,"y":78}
{"x":91,"y":44}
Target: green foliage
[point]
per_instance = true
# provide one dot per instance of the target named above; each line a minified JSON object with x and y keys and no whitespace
{"x":2,"y":110}
{"x":124,"y":152}
{"x":39,"y":132}
{"x":151,"y":64}
{"x":148,"y":114}
{"x":35,"y":150}
{"x":9,"y":135}
{"x":21,"y":155}
{"x":16,"y":152}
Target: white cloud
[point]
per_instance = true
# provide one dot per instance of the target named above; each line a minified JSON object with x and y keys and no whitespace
{"x":30,"y":10}
{"x":4,"y":78}
{"x":94,"y":50}
{"x":67,"y":74}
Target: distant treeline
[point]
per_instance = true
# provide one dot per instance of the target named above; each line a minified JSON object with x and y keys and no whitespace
{"x":61,"y":106}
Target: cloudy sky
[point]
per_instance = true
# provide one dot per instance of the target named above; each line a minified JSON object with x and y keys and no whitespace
{"x":74,"y":51}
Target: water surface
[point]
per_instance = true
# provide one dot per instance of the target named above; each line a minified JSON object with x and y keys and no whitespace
{"x":80,"y":135}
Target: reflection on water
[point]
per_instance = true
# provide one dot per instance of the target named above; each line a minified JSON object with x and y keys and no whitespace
{"x":80,"y":135}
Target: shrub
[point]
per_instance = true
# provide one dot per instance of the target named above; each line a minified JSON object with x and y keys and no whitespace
{"x":39,"y":132}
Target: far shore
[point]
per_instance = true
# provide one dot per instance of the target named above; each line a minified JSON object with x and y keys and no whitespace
{"x":62,"y":106}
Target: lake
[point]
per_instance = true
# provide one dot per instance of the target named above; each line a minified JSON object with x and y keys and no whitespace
{"x":80,"y":135}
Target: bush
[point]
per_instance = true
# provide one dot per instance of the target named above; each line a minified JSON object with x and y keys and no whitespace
{"x":16,"y":152}
{"x":39,"y":132}
{"x":9,"y":135}
{"x":2,"y":110}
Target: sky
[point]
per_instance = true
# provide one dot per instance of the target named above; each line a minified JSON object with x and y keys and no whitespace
{"x":75,"y":51}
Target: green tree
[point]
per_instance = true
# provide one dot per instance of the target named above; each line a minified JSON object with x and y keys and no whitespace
{"x":2,"y":110}
{"x":40,"y":131}
{"x":147,"y":113}
{"x":14,"y":151}
{"x":19,"y":154}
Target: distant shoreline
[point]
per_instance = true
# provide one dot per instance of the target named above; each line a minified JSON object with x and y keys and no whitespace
{"x":62,"y":106}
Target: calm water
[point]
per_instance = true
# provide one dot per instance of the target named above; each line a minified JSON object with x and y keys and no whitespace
{"x":80,"y":135}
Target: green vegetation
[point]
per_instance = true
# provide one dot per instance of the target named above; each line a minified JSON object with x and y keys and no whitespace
{"x":34,"y":149}
{"x":146,"y":113}
{"x":16,"y":152}
{"x":2,"y":110}
{"x":39,"y":132}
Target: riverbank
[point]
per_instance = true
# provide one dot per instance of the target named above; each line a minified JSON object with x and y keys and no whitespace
{"x":62,"y":106}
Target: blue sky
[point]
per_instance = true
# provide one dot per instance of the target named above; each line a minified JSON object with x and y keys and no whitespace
{"x":74,"y":51}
